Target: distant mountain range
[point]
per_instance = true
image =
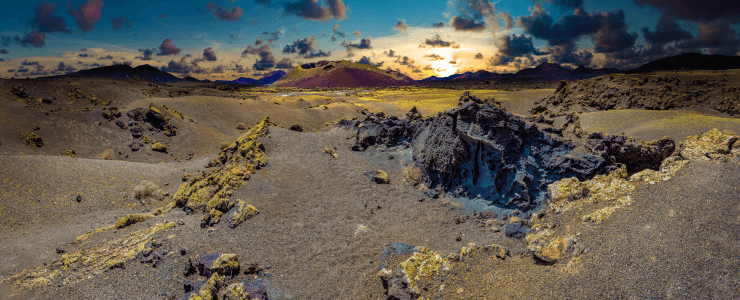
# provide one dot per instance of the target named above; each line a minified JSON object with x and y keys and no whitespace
{"x":690,"y":61}
{"x":545,"y":71}
{"x":351,"y":74}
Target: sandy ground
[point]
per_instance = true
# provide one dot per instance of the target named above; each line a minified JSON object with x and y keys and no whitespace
{"x":322,"y":222}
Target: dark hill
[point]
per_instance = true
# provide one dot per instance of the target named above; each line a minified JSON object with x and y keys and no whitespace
{"x":691,"y":61}
{"x":144,"y":72}
{"x":341,"y":74}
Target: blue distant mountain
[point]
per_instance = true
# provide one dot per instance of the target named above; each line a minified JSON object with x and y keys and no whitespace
{"x":270,"y":78}
{"x":546,"y":71}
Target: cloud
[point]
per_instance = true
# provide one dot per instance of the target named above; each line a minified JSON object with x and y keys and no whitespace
{"x":223,"y":13}
{"x":452,"y":62}
{"x":434,"y":57}
{"x":272,"y":36}
{"x":463,"y":24}
{"x":364,"y":44}
{"x":439,"y":24}
{"x":311,"y":10}
{"x":86,"y":14}
{"x":512,"y":47}
{"x":106,"y":57}
{"x":120,"y":22}
{"x":266,"y":61}
{"x":405,"y":61}
{"x":437,"y":42}
{"x":479,"y":56}
{"x":167,"y":48}
{"x":428,"y":68}
{"x":666,"y":31}
{"x":356,"y":33}
{"x":319,"y":53}
{"x":473,"y":15}
{"x":508,"y":21}
{"x":339,"y":33}
{"x":65,"y":68}
{"x":25,"y":62}
{"x":182,"y":67}
{"x":390,"y":53}
{"x":612,"y":36}
{"x":84,"y":55}
{"x":45,"y":21}
{"x":696,"y":10}
{"x":209,"y":54}
{"x":305,"y":48}
{"x":717,"y":36}
{"x":366,"y":60}
{"x":22,"y":70}
{"x":401,"y":26}
{"x":6,"y":40}
{"x":147,"y":54}
{"x":34,"y":38}
{"x":333,"y":38}
{"x":3,"y":51}
{"x":284,"y":63}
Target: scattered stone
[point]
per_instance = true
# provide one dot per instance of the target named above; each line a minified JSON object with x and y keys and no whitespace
{"x":79,"y":198}
{"x":296,"y":127}
{"x":240,"y":213}
{"x":32,"y":139}
{"x":222,"y":264}
{"x":135,"y":146}
{"x":331,"y":152}
{"x":180,"y":222}
{"x":60,"y":250}
{"x":515,"y":230}
{"x":378,"y":176}
{"x":69,"y":153}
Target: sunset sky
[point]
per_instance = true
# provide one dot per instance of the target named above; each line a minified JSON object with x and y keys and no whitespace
{"x":228,"y":39}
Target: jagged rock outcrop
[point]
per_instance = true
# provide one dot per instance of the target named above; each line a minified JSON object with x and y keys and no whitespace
{"x":480,"y":150}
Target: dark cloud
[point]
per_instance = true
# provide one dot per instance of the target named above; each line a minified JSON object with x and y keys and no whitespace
{"x":366,"y":60}
{"x":311,"y":10}
{"x":564,"y":55}
{"x":356,"y":33}
{"x":666,"y":31}
{"x":339,"y":33}
{"x":106,"y":57}
{"x":479,"y":56}
{"x":717,"y":37}
{"x":86,"y":14}
{"x":318,"y":53}
{"x":22,"y":70}
{"x":612,"y":36}
{"x":7,"y":40}
{"x":333,"y":38}
{"x":463,"y":24}
{"x":437,"y":42}
{"x":473,"y":15}
{"x":65,"y":68}
{"x":364,"y":44}
{"x":3,"y":51}
{"x":452,"y":62}
{"x":223,"y":13}
{"x":434,"y":57}
{"x":439,"y":24}
{"x":121,"y":22}
{"x":147,"y":54}
{"x":97,"y":65}
{"x":126,"y":63}
{"x":45,"y":21}
{"x":390,"y":53}
{"x":405,"y":61}
{"x":25,"y":62}
{"x":428,"y":68}
{"x":167,"y":48}
{"x":182,"y":67}
{"x":696,"y":10}
{"x":564,"y":3}
{"x":401,"y":26}
{"x":209,"y":54}
{"x":284,"y":63}
{"x":34,"y":38}
{"x":266,"y":61}
{"x":305,"y":48}
{"x":219,"y":69}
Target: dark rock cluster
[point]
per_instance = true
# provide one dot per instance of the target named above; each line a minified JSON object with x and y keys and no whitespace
{"x":478,"y":150}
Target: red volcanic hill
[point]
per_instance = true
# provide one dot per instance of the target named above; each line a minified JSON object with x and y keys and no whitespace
{"x":341,"y":74}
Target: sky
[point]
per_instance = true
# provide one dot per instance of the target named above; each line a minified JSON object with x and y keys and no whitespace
{"x":229,"y":39}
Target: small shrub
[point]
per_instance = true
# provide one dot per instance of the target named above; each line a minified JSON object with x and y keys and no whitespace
{"x":296,"y":127}
{"x":241,"y":126}
{"x":107,"y":154}
{"x":412,"y":174}
{"x":223,"y":145}
{"x":70,"y":153}
{"x":148,"y":190}
{"x":32,"y":139}
{"x":159,"y":147}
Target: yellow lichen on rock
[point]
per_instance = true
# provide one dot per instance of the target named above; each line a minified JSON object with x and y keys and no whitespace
{"x":69,"y":153}
{"x":159,"y":147}
{"x":425,"y":263}
{"x":242,"y":212}
{"x":234,"y":163}
{"x":32,"y":139}
{"x":569,"y":193}
{"x":701,"y":146}
{"x":131,"y":219}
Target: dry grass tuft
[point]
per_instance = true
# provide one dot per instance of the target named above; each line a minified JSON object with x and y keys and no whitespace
{"x":223,"y":145}
{"x":148,"y":190}
{"x":241,"y":126}
{"x":107,"y":154}
{"x":412,"y":174}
